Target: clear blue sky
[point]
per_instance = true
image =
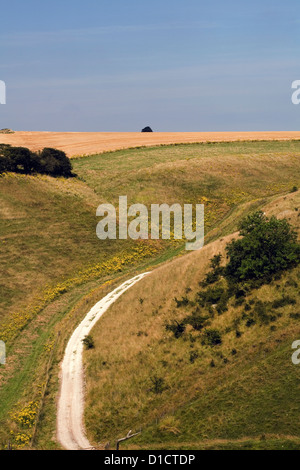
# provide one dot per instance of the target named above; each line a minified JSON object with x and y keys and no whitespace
{"x":180,"y":65}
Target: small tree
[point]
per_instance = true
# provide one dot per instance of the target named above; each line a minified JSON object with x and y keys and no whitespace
{"x":16,"y":159}
{"x":53,"y":162}
{"x":267,"y":246}
{"x":21,"y":160}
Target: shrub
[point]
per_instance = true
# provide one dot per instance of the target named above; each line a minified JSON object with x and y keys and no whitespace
{"x":285,"y":300}
{"x":193,"y":356}
{"x":212,"y":337}
{"x":21,"y":160}
{"x":158,"y":385}
{"x":210,"y":278}
{"x":217,"y":296}
{"x":267,"y":246}
{"x":211,"y":296}
{"x":196,"y":321}
{"x":213,"y":275}
{"x":183,"y":302}
{"x":215,"y":261}
{"x":296,"y":316}
{"x":176,"y":328}
{"x":250,"y":321}
{"x":88,"y":342}
{"x":16,"y":159}
{"x":222,"y":305}
{"x":53,"y":162}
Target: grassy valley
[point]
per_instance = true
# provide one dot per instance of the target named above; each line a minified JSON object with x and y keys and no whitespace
{"x":53,"y":269}
{"x":227,"y":382}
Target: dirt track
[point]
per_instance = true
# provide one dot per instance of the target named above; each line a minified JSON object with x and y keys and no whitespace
{"x":86,"y":143}
{"x":70,"y":428}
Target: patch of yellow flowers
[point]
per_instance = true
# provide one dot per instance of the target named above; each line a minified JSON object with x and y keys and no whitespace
{"x":16,"y":322}
{"x":26,"y":416}
{"x":24,"y":420}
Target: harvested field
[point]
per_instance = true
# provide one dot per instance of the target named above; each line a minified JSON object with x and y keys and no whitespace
{"x":87,"y":143}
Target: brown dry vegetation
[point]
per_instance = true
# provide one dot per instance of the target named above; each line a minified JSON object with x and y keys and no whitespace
{"x":132,"y":345}
{"x":87,"y":143}
{"x":48,"y":234}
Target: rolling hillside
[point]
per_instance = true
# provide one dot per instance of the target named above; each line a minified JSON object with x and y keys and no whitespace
{"x":188,"y":394}
{"x":54,"y":268}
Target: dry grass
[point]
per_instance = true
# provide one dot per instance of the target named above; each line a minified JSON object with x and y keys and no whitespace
{"x":87,"y":143}
{"x":48,"y":236}
{"x":48,"y":225}
{"x":132,"y":345}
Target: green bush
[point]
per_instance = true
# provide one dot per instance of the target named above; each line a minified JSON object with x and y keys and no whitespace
{"x":196,"y":321}
{"x":16,"y":159}
{"x":212,"y":337}
{"x":266,"y":247}
{"x":216,"y":271}
{"x":211,"y":296}
{"x":49,"y":161}
{"x":176,"y":328}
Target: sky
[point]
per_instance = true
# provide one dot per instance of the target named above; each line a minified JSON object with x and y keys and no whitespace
{"x":177,"y":66}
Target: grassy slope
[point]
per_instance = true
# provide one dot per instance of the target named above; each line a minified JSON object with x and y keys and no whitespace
{"x":48,"y":226}
{"x":48,"y":229}
{"x":248,"y":400}
{"x":47,"y":236}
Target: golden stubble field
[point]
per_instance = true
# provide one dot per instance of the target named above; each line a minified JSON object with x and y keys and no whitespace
{"x":87,"y":143}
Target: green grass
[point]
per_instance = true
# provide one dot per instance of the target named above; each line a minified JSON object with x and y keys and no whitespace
{"x":264,"y":443}
{"x":254,"y":394}
{"x":248,"y":394}
{"x":47,"y":236}
{"x":191,"y":170}
{"x":47,"y":226}
{"x":253,"y":400}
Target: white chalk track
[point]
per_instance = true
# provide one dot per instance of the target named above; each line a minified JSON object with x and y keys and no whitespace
{"x":70,"y":426}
